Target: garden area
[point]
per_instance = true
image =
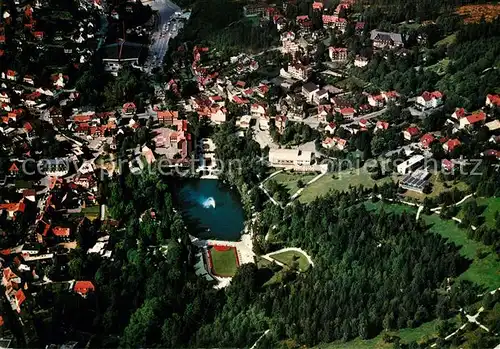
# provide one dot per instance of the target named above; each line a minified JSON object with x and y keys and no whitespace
{"x":292,"y":259}
{"x":438,"y":187}
{"x":223,"y":260}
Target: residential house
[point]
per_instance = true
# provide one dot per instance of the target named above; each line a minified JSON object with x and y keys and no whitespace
{"x":258,"y":110}
{"x":448,"y":165}
{"x":83,"y":288}
{"x":426,"y":140}
{"x":430,"y":99}
{"x":458,"y":114}
{"x":451,"y":145}
{"x":334,"y":21}
{"x":309,"y":90}
{"x":129,"y":108}
{"x":317,"y":6}
{"x":11,"y":75}
{"x":381,"y":125}
{"x":167,"y":117}
{"x":477,"y":118}
{"x":492,"y":101}
{"x":61,"y":232}
{"x":330,"y":128}
{"x":347,"y":113}
{"x":337,"y":54}
{"x":297,"y":71}
{"x":86,"y":180}
{"x":361,"y":61}
{"x":410,"y":133}
{"x":376,"y":101}
{"x":28,"y":79}
{"x":324,"y":110}
{"x":388,"y":40}
{"x":4,"y":97}
{"x":337,"y":142}
{"x":390,"y":96}
{"x":290,"y":157}
{"x":493,"y":125}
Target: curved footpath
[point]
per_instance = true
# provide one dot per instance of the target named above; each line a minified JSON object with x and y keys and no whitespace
{"x":295,"y":249}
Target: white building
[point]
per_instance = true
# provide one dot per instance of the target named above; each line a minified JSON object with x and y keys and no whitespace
{"x":290,"y":157}
{"x":430,"y":99}
{"x":410,"y":164}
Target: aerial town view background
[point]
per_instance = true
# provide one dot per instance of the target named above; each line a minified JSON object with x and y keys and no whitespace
{"x":246,"y":173}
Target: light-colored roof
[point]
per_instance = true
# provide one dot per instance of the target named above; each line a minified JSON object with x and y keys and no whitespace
{"x":493,"y":125}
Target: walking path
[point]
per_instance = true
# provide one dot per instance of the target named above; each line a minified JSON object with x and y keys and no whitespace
{"x":257,"y":341}
{"x":470,"y":319}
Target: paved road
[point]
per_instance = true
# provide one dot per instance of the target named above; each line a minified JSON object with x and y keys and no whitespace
{"x":163,"y":33}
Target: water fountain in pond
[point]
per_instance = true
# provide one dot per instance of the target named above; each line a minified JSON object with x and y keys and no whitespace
{"x":209,"y":203}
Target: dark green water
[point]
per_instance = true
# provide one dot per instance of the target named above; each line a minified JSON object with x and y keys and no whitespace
{"x":210,"y":208}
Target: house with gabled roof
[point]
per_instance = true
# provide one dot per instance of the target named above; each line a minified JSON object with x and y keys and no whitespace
{"x":83,"y":288}
{"x":411,"y":132}
{"x":492,"y":101}
{"x":426,"y":140}
{"x":429,"y":100}
{"x":451,"y":145}
{"x":477,"y":118}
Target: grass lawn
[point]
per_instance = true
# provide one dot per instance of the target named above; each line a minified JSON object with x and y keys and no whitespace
{"x":288,"y":257}
{"x":491,"y":205}
{"x":437,"y":188}
{"x":395,"y":208}
{"x":224,"y":262}
{"x":440,"y":67}
{"x":425,"y":331}
{"x":289,"y":180}
{"x":91,"y":212}
{"x":450,"y":39}
{"x":341,"y":182}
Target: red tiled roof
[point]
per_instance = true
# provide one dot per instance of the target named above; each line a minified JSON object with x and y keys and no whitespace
{"x":476,"y":117}
{"x":60,"y":231}
{"x":459,"y":113}
{"x":494,"y":99}
{"x":427,"y":139}
{"x":452,"y":144}
{"x":20,"y":297}
{"x":13,"y":168}
{"x":427,"y":96}
{"x":413,"y":131}
{"x":83,"y":287}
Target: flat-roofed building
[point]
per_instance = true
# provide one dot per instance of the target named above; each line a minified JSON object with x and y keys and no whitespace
{"x":410,"y":164}
{"x":290,"y":157}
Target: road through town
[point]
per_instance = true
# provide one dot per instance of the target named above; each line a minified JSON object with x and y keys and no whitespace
{"x":165,"y":10}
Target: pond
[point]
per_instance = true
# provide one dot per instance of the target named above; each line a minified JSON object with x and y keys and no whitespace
{"x":210,"y":208}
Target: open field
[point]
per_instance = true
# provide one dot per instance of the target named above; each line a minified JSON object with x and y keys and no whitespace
{"x":224,"y":261}
{"x":474,"y":13}
{"x":437,"y":188}
{"x":423,"y":332}
{"x":490,"y":205}
{"x":288,"y":257}
{"x":290,"y":180}
{"x":341,"y":182}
